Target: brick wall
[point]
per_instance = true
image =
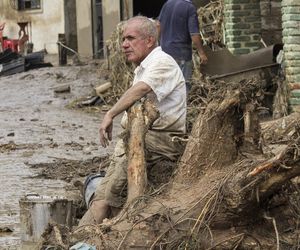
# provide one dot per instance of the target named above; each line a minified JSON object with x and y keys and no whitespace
{"x":242,"y":25}
{"x":291,"y":40}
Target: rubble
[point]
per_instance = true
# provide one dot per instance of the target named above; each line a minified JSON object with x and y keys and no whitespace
{"x":12,"y":63}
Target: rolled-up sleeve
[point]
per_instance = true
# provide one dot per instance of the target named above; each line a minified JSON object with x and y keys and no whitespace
{"x":193,"y":22}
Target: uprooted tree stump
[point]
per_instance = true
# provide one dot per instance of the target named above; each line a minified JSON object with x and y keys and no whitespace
{"x":226,"y":192}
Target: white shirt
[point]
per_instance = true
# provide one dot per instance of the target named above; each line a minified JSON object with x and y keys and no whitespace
{"x":161,"y":72}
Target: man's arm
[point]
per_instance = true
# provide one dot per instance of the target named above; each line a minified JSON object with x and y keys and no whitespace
{"x":198,"y":43}
{"x":133,"y":94}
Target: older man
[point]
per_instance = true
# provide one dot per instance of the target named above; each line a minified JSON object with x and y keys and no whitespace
{"x":157,"y":76}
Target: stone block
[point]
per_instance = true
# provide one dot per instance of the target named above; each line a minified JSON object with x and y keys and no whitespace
{"x":251,"y":6}
{"x":255,"y":13}
{"x":250,"y":19}
{"x":239,"y":38}
{"x":233,"y":32}
{"x":256,"y":25}
{"x":232,"y":7}
{"x":237,"y":26}
{"x":233,"y":45}
{"x":292,"y":55}
{"x":297,"y":78}
{"x":290,"y":17}
{"x":292,"y":70}
{"x":291,"y":40}
{"x":295,"y":93}
{"x":291,"y":10}
{"x":291,"y":47}
{"x":232,"y":19}
{"x":291,"y":79}
{"x":294,"y":101}
{"x":291,"y":32}
{"x":251,"y":31}
{"x":238,"y":13}
{"x":294,"y":86}
{"x":290,"y":3}
{"x":291,"y":24}
{"x":256,"y":38}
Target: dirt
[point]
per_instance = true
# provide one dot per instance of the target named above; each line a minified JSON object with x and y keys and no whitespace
{"x":49,"y":144}
{"x":46,"y":143}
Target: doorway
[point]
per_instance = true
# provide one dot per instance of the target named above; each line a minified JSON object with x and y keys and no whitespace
{"x":98,"y":44}
{"x":148,"y":8}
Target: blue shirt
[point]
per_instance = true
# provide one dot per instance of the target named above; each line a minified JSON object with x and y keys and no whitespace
{"x":178,"y":21}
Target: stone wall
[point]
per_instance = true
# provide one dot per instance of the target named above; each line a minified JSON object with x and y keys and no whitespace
{"x":242,"y":25}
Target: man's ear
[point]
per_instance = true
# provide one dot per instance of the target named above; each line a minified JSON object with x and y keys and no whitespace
{"x":150,"y":41}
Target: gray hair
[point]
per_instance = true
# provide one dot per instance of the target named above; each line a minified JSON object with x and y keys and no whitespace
{"x":147,"y":26}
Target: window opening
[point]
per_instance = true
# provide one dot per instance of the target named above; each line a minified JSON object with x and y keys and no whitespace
{"x":29,"y":4}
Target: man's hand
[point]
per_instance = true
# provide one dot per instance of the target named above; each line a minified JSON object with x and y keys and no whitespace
{"x":196,"y":38}
{"x":203,"y":57}
{"x":105,"y":130}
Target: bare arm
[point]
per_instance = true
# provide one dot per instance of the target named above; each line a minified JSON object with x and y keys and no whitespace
{"x":136,"y":92}
{"x":198,"y":43}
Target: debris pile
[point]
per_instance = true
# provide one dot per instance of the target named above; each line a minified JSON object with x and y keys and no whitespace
{"x":211,"y":24}
{"x":12,"y":63}
{"x":121,"y":74}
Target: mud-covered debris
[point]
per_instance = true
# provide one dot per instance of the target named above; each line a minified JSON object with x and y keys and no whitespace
{"x":211,"y":18}
{"x":6,"y":230}
{"x":8,"y":147}
{"x":90,"y":101}
{"x":56,"y":237}
{"x":64,"y":169}
{"x":62,"y":89}
{"x":103,"y":88}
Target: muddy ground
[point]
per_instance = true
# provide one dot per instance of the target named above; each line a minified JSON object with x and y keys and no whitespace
{"x":45,"y":143}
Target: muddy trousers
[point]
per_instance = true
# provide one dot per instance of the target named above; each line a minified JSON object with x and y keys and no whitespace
{"x":159,"y":146}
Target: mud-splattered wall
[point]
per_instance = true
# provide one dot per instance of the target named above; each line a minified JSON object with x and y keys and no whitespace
{"x":45,"y":23}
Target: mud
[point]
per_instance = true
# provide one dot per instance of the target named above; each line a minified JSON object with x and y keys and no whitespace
{"x":44,"y":145}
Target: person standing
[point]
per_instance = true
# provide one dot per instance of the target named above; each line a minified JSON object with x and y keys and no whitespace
{"x":179,"y":28}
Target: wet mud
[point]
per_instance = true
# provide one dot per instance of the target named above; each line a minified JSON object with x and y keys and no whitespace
{"x":44,"y":145}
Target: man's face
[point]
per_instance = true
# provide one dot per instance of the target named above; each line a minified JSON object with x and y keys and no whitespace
{"x":135,"y":46}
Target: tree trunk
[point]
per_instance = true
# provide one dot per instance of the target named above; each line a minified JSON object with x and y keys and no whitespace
{"x":140,"y":116}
